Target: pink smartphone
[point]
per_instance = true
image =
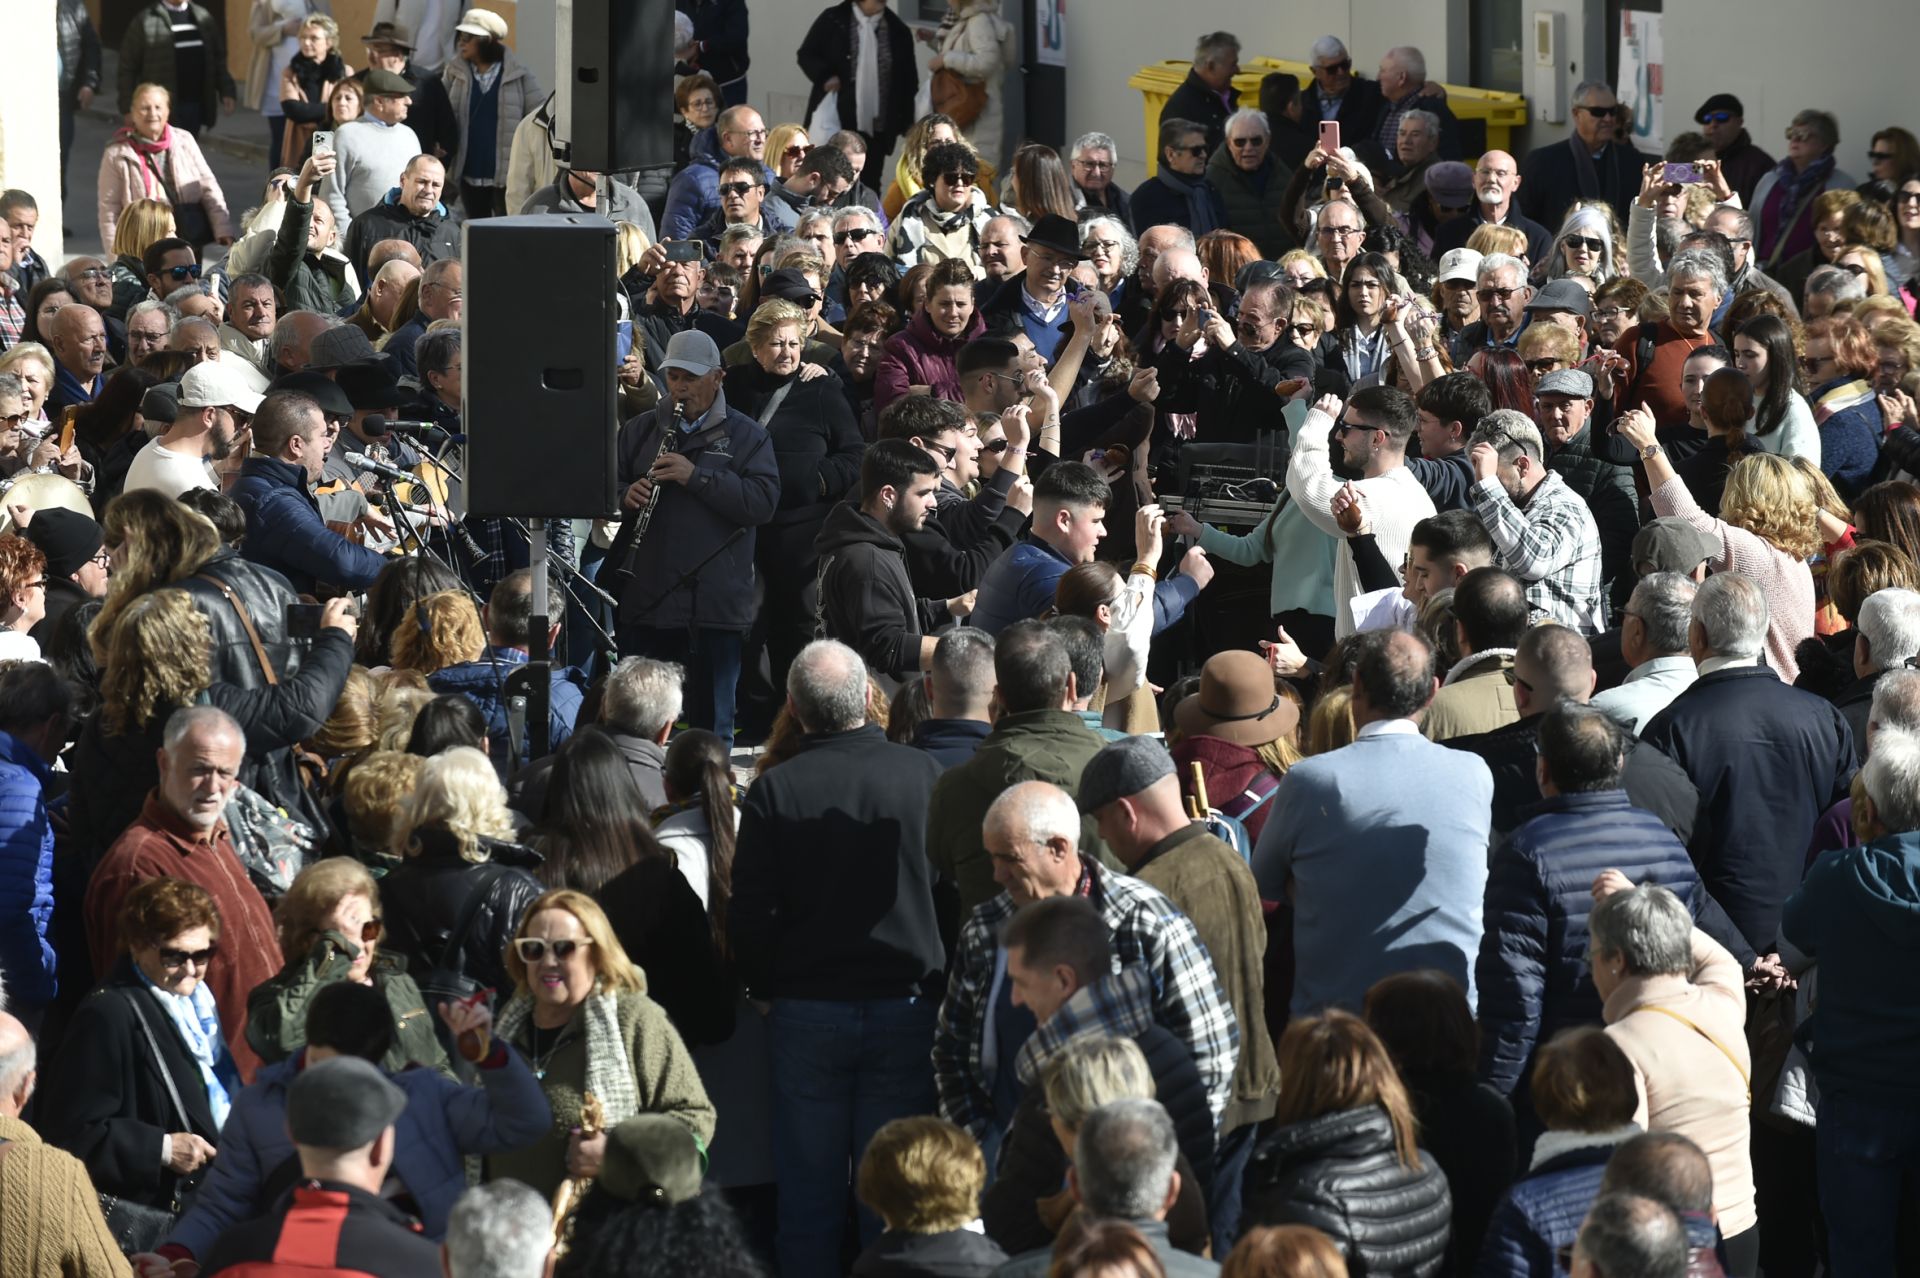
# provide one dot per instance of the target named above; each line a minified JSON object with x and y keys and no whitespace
{"x":1330,"y":136}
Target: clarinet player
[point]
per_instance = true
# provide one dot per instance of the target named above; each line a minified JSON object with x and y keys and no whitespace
{"x":700,"y":478}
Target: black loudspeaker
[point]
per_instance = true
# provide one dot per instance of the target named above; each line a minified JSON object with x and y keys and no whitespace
{"x":538,"y":366}
{"x":615,"y":108}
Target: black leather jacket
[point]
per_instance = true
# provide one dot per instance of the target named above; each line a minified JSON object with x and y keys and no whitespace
{"x":265,"y":595}
{"x":424,"y":894}
{"x":79,"y":48}
{"x":1340,"y":1173}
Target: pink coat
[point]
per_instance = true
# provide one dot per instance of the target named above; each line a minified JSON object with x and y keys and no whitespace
{"x":918,"y":356}
{"x":126,"y":177}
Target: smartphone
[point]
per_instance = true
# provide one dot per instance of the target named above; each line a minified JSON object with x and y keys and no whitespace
{"x":683,"y":250}
{"x":1330,"y":136}
{"x":1681,"y":174}
{"x":66,"y":428}
{"x":303,"y":621}
{"x":323,"y":142}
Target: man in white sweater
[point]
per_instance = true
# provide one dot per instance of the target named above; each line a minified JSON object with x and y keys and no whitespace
{"x":202,"y":430}
{"x":1373,"y":436}
{"x":372,"y":152}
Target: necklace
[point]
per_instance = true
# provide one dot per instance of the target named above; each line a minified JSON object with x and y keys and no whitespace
{"x":542,"y":1055}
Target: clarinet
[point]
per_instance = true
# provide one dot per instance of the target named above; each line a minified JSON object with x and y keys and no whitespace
{"x":633,"y":524}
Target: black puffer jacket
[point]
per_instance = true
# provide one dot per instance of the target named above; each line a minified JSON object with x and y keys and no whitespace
{"x":1340,"y":1174}
{"x":815,"y":441}
{"x":425,"y":893}
{"x":265,"y":595}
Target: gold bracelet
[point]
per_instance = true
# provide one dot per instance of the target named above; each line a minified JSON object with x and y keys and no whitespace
{"x":1145,"y":569}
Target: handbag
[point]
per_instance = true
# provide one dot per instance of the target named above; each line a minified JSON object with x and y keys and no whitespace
{"x":190,"y":221}
{"x":954,"y":95}
{"x":446,"y":981}
{"x":138,"y":1227}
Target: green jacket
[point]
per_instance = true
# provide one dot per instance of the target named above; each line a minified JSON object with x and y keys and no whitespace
{"x":146,"y":57}
{"x":1038,"y":745}
{"x":310,"y":282}
{"x":1260,"y":215}
{"x":1214,"y":888}
{"x":277,"y":1009}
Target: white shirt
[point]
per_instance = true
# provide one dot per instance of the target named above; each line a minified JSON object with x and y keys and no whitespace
{"x":18,"y":645}
{"x":167,"y":471}
{"x":1394,"y":503}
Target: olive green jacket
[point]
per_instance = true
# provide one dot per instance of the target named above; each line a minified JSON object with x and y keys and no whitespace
{"x":277,"y":1009}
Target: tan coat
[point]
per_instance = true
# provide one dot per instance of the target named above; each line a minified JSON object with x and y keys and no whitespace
{"x":54,"y":1228}
{"x":1687,"y":1082}
{"x":1479,"y":699}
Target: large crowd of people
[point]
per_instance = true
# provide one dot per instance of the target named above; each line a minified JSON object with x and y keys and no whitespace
{"x":1347,"y":710}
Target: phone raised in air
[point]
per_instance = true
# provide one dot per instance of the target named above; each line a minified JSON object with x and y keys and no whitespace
{"x":1330,"y":136}
{"x":303,"y":621}
{"x":323,"y":142}
{"x":682,"y":250}
{"x":1681,"y":174}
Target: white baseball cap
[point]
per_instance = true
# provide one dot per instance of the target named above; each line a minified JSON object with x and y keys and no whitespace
{"x":213,"y":385}
{"x":1460,"y":264}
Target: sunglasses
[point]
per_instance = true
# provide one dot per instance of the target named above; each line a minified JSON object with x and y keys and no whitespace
{"x":1539,"y":366}
{"x":738,"y":188}
{"x":1196,"y":150}
{"x":945,"y":450}
{"x":958,"y":179}
{"x":1714,"y":117}
{"x":1907,"y":197}
{"x":1801,"y":135}
{"x":92,"y":273}
{"x":532,"y":949}
{"x":180,"y":958}
{"x":856,"y":236}
{"x":797,"y":152}
{"x":1878,"y":156}
{"x":1255,"y":140}
{"x":1495,"y":294}
{"x":188,"y":272}
{"x":994,"y":446}
{"x":1332,"y":68}
{"x":1304,"y":330}
{"x":372,"y":930}
{"x":15,"y":421}
{"x":1587,"y":242}
{"x":1607,"y":110}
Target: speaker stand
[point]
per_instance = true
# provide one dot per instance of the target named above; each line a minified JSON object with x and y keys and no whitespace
{"x":539,"y":659}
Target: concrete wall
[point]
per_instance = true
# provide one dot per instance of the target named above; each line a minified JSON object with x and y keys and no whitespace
{"x":29,"y":124}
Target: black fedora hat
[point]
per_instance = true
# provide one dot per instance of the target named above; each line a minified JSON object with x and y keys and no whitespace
{"x":1058,"y":233}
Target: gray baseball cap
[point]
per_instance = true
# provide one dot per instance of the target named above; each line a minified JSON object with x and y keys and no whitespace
{"x":693,"y":352}
{"x":1565,"y":381}
{"x":1671,"y":544}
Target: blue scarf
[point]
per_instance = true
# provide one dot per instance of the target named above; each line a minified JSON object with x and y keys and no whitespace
{"x":198,"y":1022}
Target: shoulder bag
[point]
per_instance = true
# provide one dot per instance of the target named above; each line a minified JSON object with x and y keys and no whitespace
{"x":138,"y":1227}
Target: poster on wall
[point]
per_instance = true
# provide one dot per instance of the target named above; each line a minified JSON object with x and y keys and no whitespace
{"x":1050,"y":32}
{"x":1642,"y":70}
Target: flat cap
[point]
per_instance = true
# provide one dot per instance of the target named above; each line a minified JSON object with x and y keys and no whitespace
{"x":1122,"y":769}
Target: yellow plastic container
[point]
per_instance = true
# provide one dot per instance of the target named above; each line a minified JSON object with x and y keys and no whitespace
{"x":1503,"y":112}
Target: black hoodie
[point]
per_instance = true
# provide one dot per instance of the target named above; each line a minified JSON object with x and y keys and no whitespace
{"x":866,"y":598}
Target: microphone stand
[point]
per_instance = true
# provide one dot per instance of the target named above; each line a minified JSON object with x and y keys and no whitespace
{"x":693,"y":575}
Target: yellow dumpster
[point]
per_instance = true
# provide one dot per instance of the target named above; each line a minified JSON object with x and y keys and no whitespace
{"x":1502,"y":112}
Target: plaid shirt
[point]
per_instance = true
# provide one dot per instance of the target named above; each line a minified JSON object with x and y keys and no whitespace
{"x":13,"y":316}
{"x":1148,"y":932}
{"x":491,"y":535}
{"x":1553,"y":545}
{"x":1121,"y":1006}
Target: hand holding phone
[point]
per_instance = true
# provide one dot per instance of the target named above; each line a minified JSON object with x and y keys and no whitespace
{"x":1330,"y":136}
{"x":1681,"y":174}
{"x":323,"y":142}
{"x":683,"y":250}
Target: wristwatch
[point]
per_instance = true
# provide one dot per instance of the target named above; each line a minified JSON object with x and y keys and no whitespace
{"x":1650,"y":452}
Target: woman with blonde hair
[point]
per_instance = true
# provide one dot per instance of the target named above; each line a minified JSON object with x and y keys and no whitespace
{"x":462,"y":884}
{"x":150,"y":159}
{"x":156,"y":659}
{"x":141,"y":222}
{"x":1766,"y":529}
{"x":1285,"y":1251}
{"x":152,"y":540}
{"x":922,"y":1177}
{"x":787,"y":145}
{"x":330,"y":930}
{"x":443,"y":630}
{"x":581,"y":1016}
{"x":1343,"y":1156}
{"x":1861,"y":260}
{"x":1330,"y":723}
{"x":1490,"y":238}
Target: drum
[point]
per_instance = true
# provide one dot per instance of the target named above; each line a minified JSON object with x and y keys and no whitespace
{"x":42,"y":492}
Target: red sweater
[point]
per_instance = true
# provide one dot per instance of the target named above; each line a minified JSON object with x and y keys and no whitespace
{"x":1657,"y":385}
{"x":161,"y":845}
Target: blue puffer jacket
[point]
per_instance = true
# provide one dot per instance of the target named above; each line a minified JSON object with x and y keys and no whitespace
{"x":1543,"y":1210}
{"x":26,"y":874}
{"x":443,"y":1123}
{"x":695,"y":193}
{"x":484,"y":682}
{"x":285,"y":531}
{"x":1532,"y":970}
{"x":1850,"y":438}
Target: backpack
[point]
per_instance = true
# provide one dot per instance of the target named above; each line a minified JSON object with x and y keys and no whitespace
{"x":1228,"y":822}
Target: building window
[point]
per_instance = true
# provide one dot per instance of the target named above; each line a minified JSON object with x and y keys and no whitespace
{"x":1495,"y":32}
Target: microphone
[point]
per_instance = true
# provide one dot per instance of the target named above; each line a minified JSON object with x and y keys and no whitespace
{"x":360,"y":461}
{"x":377,"y":425}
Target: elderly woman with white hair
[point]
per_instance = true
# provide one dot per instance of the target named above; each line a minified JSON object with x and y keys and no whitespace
{"x":1675,"y":1002}
{"x":1113,"y":254}
{"x":1584,"y":247}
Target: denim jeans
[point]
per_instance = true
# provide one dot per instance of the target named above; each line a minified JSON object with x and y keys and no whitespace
{"x":713,"y":670}
{"x":840,"y":1071}
{"x":1230,"y":1158}
{"x":1864,"y":1149}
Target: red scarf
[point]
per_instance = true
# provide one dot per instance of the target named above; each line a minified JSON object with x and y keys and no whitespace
{"x":146,"y":149}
